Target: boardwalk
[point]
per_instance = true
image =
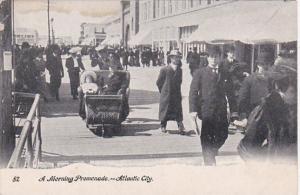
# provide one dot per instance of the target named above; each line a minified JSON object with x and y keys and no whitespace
{"x":66,"y":138}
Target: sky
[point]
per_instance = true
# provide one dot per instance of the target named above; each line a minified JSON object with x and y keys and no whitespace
{"x":67,"y":14}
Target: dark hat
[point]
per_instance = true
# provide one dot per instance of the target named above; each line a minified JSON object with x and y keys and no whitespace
{"x":214,"y":51}
{"x":195,"y":48}
{"x":25,"y":45}
{"x":230,"y":49}
{"x":264,"y":58}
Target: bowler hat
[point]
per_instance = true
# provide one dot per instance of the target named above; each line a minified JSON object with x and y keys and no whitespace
{"x":214,"y":51}
{"x":230,"y":49}
{"x":25,"y":45}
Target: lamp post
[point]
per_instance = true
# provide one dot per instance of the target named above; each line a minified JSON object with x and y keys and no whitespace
{"x":53,"y":37}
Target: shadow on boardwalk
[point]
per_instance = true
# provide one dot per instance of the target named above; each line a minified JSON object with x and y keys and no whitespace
{"x":68,"y":107}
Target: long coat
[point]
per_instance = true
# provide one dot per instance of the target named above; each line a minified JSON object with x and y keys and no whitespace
{"x":208,"y":97}
{"x":169,"y":85}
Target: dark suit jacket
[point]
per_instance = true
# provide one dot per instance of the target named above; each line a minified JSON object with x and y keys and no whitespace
{"x":208,"y":94}
{"x":116,"y":82}
{"x":253,"y":89}
{"x":70,"y":64}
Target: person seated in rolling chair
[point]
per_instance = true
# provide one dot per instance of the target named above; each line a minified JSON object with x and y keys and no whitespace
{"x":88,"y":86}
{"x":115,"y":83}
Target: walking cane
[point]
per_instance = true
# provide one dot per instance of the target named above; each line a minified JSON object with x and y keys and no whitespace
{"x":196,"y":124}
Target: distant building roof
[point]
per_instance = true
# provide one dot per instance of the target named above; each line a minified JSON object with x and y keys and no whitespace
{"x":25,"y":31}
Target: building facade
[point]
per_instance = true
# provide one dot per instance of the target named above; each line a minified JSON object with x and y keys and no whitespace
{"x":113,"y":31}
{"x":170,"y":21}
{"x":26,"y":35}
{"x":91,"y":34}
{"x":171,"y":24}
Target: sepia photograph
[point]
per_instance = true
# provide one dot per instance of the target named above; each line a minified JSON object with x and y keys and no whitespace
{"x":148,"y":97}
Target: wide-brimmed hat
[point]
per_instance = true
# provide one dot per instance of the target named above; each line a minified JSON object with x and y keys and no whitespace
{"x":175,"y":52}
{"x":88,"y":73}
{"x":75,"y":50}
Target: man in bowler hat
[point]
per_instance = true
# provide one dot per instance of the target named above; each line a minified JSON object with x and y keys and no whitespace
{"x":169,"y":85}
{"x":208,"y":100}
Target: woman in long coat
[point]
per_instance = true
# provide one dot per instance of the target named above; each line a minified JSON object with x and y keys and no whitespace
{"x":169,"y":85}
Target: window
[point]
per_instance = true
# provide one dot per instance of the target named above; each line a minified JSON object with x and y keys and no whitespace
{"x":163,"y":8}
{"x":154,"y":8}
{"x":183,"y":4}
{"x":158,"y":8}
{"x":176,"y":6}
{"x":191,"y":3}
{"x":170,"y":7}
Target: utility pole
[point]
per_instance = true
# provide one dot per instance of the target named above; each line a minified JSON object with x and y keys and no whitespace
{"x":53,"y":36}
{"x":48,"y":12}
{"x":7,"y":134}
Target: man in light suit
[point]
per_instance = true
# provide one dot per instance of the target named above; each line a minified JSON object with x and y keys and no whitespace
{"x":74,"y":65}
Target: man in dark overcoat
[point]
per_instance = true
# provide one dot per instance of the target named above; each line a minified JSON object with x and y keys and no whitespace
{"x":169,"y":85}
{"x":194,"y":61}
{"x":74,"y":65}
{"x":207,"y":99}
{"x":55,"y":68}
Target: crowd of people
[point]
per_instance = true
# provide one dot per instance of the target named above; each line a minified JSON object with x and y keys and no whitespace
{"x":138,"y":57}
{"x":263,"y":103}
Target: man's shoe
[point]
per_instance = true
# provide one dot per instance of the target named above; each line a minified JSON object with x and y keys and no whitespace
{"x":182,"y":132}
{"x":163,"y":129}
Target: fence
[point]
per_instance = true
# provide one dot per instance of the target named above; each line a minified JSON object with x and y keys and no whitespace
{"x":27,"y":152}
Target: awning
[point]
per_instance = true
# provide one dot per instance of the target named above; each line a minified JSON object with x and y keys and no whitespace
{"x":282,"y":27}
{"x":143,"y":37}
{"x":250,"y":22}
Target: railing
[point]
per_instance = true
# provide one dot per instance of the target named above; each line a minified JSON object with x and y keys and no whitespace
{"x":27,"y":152}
